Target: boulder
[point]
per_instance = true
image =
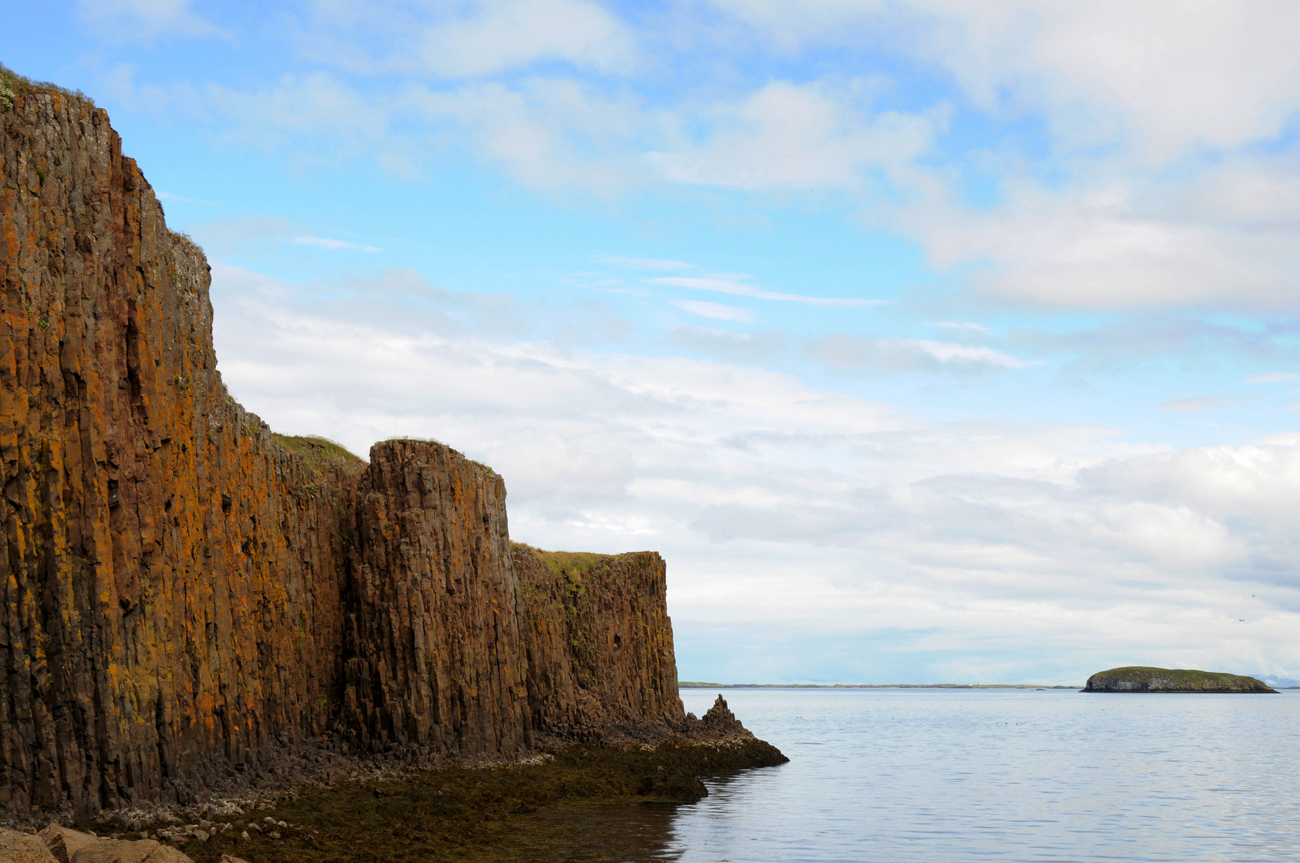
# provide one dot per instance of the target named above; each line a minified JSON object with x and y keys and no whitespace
{"x":140,"y":851}
{"x":64,"y":842}
{"x":18,"y":847}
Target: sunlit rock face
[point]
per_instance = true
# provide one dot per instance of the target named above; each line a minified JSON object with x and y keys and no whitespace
{"x":183,"y":593}
{"x":438,"y":659}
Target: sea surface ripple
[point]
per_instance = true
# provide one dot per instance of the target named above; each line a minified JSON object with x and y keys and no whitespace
{"x":947,"y":776}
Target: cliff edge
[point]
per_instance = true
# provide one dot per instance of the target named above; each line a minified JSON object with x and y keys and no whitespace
{"x":183,"y":593}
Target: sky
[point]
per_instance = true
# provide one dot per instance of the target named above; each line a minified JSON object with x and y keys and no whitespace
{"x":928,"y":341}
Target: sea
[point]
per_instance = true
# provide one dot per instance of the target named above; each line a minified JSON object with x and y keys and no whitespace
{"x":955,"y":775}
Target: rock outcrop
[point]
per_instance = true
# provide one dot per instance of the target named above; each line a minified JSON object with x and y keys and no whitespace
{"x":171,"y":575}
{"x":1140,"y":678}
{"x":18,"y":847}
{"x":598,"y":639}
{"x":183,"y":592}
{"x":57,"y":844}
{"x":435,"y":651}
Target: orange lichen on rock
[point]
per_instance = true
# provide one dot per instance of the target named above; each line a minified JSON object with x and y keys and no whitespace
{"x":437,"y":653}
{"x":158,"y":544}
{"x":181,"y":591}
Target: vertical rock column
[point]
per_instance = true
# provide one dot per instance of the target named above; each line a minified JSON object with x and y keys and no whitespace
{"x":436,"y":660}
{"x":170,"y":577}
{"x":599,"y":641}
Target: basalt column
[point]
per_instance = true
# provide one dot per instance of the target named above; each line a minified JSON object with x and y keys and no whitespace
{"x":436,"y":660}
{"x":170,"y":576}
{"x":599,"y":642}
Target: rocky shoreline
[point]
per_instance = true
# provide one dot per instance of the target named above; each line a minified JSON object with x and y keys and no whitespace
{"x":328,"y":806}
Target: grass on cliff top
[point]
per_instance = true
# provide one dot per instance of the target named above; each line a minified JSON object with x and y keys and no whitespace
{"x":319,"y":452}
{"x":12,"y":84}
{"x":570,"y":565}
{"x":1146,"y":673}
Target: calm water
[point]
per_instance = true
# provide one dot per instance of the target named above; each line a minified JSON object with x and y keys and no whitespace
{"x":948,"y":776}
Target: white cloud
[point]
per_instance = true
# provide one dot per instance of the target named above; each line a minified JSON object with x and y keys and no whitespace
{"x":717,"y":311}
{"x":248,"y":233}
{"x":804,"y":513}
{"x":1111,"y":243}
{"x":962,"y":327}
{"x":334,"y":245}
{"x":468,"y":40}
{"x":857,"y":354}
{"x":1199,"y":404}
{"x":145,"y":20}
{"x":1206,"y":94}
{"x":1273,"y":378}
{"x":789,"y":136}
{"x":1164,"y":75}
{"x":507,"y":35}
{"x":551,"y":133}
{"x":736,"y":285}
{"x":644,"y":263}
{"x":1121,"y":89}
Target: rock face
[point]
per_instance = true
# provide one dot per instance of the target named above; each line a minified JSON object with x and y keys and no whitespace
{"x":182,"y":592}
{"x":171,"y":576}
{"x":598,"y":639}
{"x":436,"y":656}
{"x":1138,"y":678}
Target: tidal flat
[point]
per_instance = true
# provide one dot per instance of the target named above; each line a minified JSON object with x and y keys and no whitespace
{"x":532,"y":811}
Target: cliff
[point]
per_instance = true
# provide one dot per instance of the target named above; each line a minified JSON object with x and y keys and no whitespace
{"x":598,"y":640}
{"x":436,"y":657}
{"x":183,"y":592}
{"x":1139,"y":678}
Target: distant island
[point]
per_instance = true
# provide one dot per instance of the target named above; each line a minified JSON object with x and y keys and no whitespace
{"x":694,"y":684}
{"x":1141,"y":678}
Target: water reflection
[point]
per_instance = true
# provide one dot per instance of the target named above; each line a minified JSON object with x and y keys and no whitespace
{"x":951,"y":777}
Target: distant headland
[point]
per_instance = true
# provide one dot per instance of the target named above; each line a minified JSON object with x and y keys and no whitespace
{"x":1141,"y":678}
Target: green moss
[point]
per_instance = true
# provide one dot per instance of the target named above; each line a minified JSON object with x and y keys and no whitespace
{"x":490,"y":471}
{"x":571,"y":565}
{"x":405,"y":439}
{"x":496,"y":814}
{"x":320,"y":453}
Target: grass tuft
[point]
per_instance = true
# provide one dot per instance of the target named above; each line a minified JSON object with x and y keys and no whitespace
{"x":319,"y":452}
{"x":13,"y":85}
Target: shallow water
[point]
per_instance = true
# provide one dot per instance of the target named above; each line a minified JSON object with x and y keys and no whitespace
{"x":945,"y":776}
